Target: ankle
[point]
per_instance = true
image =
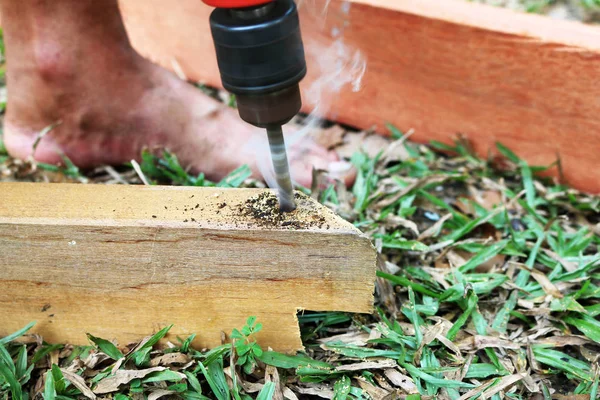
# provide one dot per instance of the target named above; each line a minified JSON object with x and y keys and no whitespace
{"x":52,"y":65}
{"x":52,"y":86}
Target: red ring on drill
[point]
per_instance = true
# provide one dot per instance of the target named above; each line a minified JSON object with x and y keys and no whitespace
{"x":235,"y":3}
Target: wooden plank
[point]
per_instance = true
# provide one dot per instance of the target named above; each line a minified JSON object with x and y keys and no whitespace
{"x":441,"y":67}
{"x":122,"y":262}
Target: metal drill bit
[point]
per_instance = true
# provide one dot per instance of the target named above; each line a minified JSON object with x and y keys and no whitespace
{"x":282,"y":169}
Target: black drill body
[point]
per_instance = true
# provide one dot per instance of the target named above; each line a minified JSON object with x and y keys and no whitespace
{"x":261,"y":60}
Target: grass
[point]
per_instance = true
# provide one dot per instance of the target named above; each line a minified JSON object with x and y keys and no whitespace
{"x":488,"y":287}
{"x":488,"y":279}
{"x":542,"y":6}
{"x":3,"y":152}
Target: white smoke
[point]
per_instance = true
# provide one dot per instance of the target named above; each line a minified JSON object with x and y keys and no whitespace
{"x":335,"y":64}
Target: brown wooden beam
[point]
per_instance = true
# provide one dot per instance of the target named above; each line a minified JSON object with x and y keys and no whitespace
{"x":441,"y":67}
{"x":121,"y":262}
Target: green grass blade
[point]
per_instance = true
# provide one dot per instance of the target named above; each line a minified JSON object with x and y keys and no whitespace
{"x":44,"y":351}
{"x":266,"y":393}
{"x":21,"y":364}
{"x":151,"y":342}
{"x":9,"y":376}
{"x":215,"y":377}
{"x":285,"y":361}
{"x":563,"y":362}
{"x":524,"y":275}
{"x":482,"y":256}
{"x":414,"y":316}
{"x":360,"y":352}
{"x":483,"y":370}
{"x":443,"y":383}
{"x":6,"y":358}
{"x":49,"y":389}
{"x":106,"y":347}
{"x":60,"y":384}
{"x":236,"y":177}
{"x":468,"y":227}
{"x":503,"y":316}
{"x":162,"y":376}
{"x":586,"y":324}
{"x":593,"y":310}
{"x":508,"y":153}
{"x":528,"y":185}
{"x":412,"y":245}
{"x":193,"y":381}
{"x":341,"y":389}
{"x":464,"y":316}
{"x":594,"y":390}
{"x":399,"y":280}
{"x":17,"y":334}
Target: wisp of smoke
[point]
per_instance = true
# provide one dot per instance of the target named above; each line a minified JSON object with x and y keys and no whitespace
{"x":335,"y":65}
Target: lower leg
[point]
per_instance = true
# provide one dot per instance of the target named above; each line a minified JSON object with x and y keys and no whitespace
{"x":70,"y":61}
{"x":65,"y":60}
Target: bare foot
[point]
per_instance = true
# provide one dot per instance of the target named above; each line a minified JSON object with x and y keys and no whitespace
{"x":109,"y":103}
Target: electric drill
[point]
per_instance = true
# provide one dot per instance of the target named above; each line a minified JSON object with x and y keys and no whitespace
{"x":261,"y":60}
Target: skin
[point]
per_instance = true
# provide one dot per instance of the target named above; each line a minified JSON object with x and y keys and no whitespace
{"x":70,"y":64}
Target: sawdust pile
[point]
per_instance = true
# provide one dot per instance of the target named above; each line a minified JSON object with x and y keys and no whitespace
{"x":264,"y":210}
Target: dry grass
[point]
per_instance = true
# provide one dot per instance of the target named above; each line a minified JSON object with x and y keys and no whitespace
{"x":488,"y":285}
{"x":488,"y":288}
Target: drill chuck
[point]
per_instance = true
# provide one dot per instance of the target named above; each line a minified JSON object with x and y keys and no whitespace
{"x":261,"y":60}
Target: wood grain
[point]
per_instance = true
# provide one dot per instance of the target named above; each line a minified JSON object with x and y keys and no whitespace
{"x":440,"y":67}
{"x":122,"y":262}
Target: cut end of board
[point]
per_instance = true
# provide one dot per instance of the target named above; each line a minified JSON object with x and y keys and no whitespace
{"x":122,"y":262}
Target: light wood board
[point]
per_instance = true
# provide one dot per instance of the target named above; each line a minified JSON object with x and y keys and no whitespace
{"x":440,"y":67}
{"x":121,"y":262}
